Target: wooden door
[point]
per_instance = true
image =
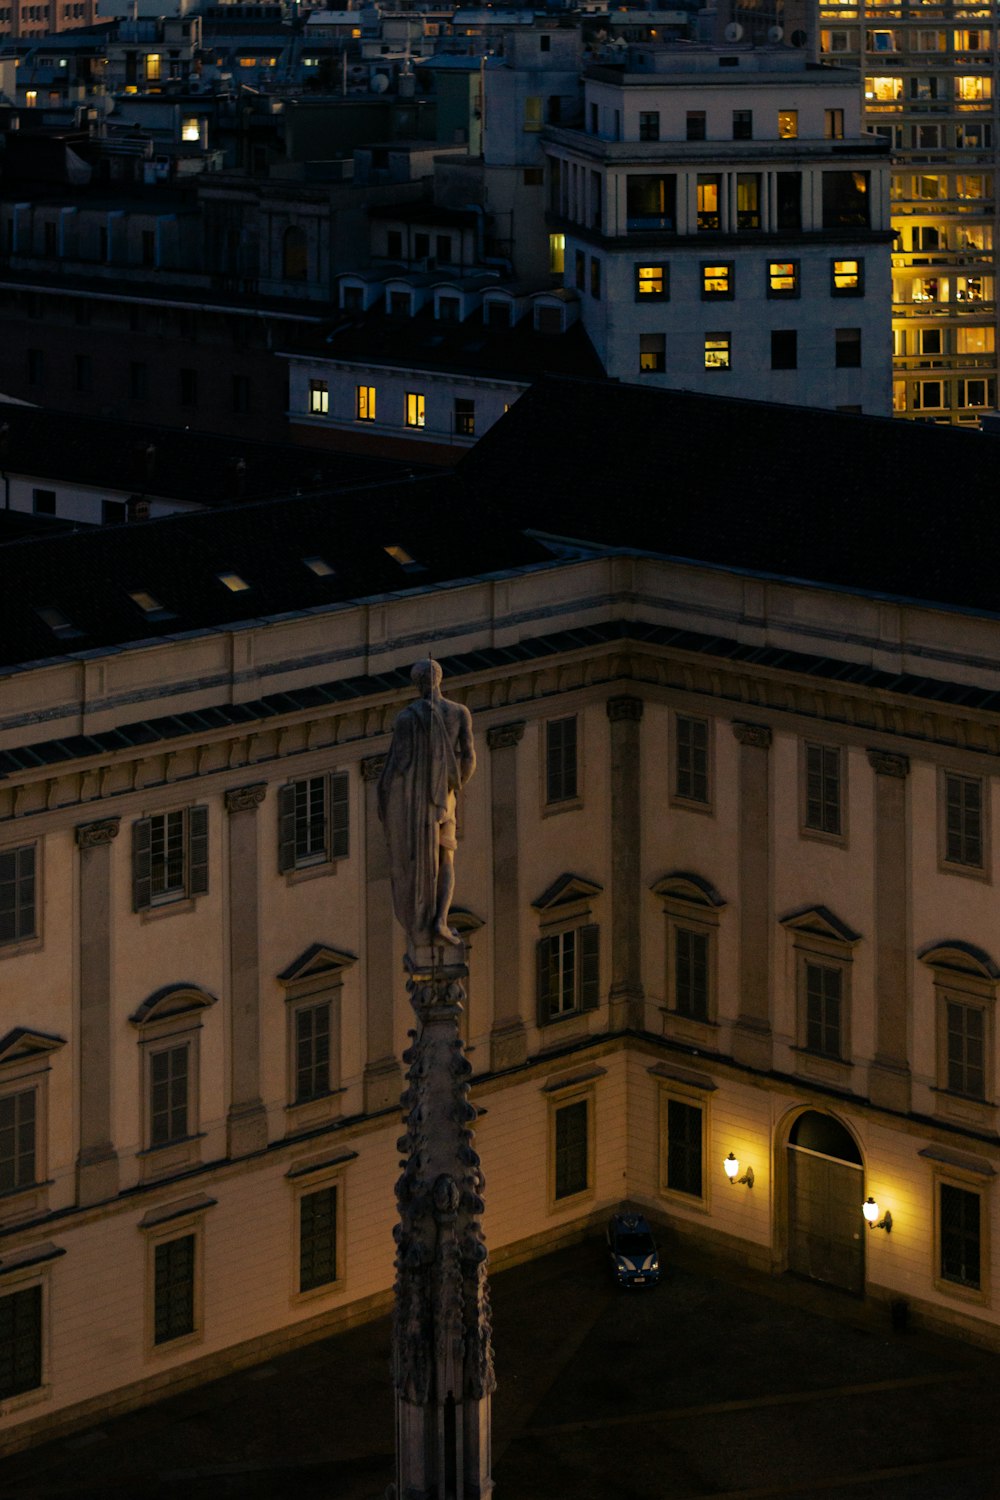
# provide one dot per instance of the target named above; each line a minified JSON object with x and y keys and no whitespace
{"x":825,"y":1224}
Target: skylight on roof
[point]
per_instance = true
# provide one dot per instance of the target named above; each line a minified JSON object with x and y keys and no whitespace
{"x":319,"y":566}
{"x":400,"y":555}
{"x":233,"y":582}
{"x":57,"y":622}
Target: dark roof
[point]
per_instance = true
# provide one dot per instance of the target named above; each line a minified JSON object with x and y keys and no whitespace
{"x":88,"y":577}
{"x":195,"y":467}
{"x":423,"y":342}
{"x":889,"y":507}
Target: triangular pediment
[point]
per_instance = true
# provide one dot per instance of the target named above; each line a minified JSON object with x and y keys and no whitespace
{"x":962,"y":957}
{"x":319,"y":961}
{"x":568,"y":890}
{"x":819,"y":921}
{"x":681,"y":885}
{"x":22,"y":1042}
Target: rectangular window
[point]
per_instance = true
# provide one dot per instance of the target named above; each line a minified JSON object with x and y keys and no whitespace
{"x":533,"y":112}
{"x":173,"y":1289}
{"x":572,"y":1149}
{"x":684,"y":1148}
{"x":691,"y":759}
{"x":313,"y":821}
{"x":691,"y":973}
{"x":748,"y":200}
{"x":788,"y":194}
{"x":557,"y":254}
{"x":187,"y":387}
{"x":783,"y":278}
{"x":169,"y":857}
{"x":317,"y":1239}
{"x":824,"y":992}
{"x":788,"y":124}
{"x":847,"y":278}
{"x":742,"y":124}
{"x":580,"y":270}
{"x":20,"y":1342}
{"x":312,"y":1052}
{"x":963,"y":830}
{"x":784,"y":349}
{"x":718,"y":352}
{"x":695,"y":125}
{"x":833,"y":124}
{"x":364,"y":396}
{"x":651,"y":201}
{"x":414,"y":409}
{"x":959,"y":1235}
{"x":652,"y":283}
{"x":708,"y":191}
{"x":649,"y":125}
{"x":845,"y":199}
{"x":595,"y":278}
{"x":652,"y":353}
{"x":847,"y":348}
{"x":568,"y":973}
{"x":966,"y":1049}
{"x":17,"y":1140}
{"x":169,"y":1095}
{"x":465,"y":417}
{"x":83,"y":373}
{"x":36,"y":366}
{"x":561,"y":760}
{"x":43,"y":502}
{"x":823,"y":789}
{"x":241,"y":393}
{"x":17,"y":894}
{"x":319,"y":398}
{"x":717,"y":281}
{"x":137,"y":380}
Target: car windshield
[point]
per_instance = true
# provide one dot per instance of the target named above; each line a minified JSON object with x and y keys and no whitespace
{"x":628,"y":1243}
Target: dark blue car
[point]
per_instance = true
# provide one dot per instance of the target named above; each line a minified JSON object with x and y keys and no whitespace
{"x":635,"y":1260}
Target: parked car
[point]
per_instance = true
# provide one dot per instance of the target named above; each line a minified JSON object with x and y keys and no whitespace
{"x":635,"y":1260}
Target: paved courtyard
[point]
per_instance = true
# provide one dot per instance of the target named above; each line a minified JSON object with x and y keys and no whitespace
{"x":719,"y":1383}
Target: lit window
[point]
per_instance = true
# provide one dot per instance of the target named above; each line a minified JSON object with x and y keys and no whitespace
{"x":788,"y":124}
{"x":533,"y":112}
{"x":708,"y":194}
{"x":557,"y":254}
{"x":782,"y":278}
{"x":465,"y":417}
{"x":233,"y":582}
{"x":149,"y":604}
{"x":652,"y":283}
{"x":717,"y":281}
{"x":319,"y":398}
{"x":31,"y":98}
{"x":973,"y":89}
{"x":652,"y":353}
{"x":152,"y":67}
{"x":190,"y":130}
{"x":848,"y":278}
{"x":365,"y":403}
{"x":718,"y":353}
{"x":400,"y":555}
{"x":248,"y":62}
{"x":883,"y":90}
{"x":833,"y":124}
{"x":414,"y":406}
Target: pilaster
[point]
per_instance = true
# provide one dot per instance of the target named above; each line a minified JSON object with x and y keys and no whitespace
{"x":626,"y":996}
{"x":889,"y":1074}
{"x":97,"y":1161}
{"x":508,"y":1037}
{"x":752,"y":1032}
{"x":247,"y":1118}
{"x":382,"y":1074}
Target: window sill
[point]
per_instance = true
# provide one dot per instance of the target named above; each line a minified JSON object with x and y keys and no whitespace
{"x":24,"y":1203}
{"x":17,"y":946}
{"x":328,"y":1289}
{"x":183,"y":1341}
{"x":972,"y":872}
{"x":565,"y":804}
{"x":970,"y":1294}
{"x":692,"y":1201}
{"x":300,"y":873}
{"x":24,"y":1399}
{"x":165,"y":908}
{"x":837,"y":840}
{"x":571,"y":1200}
{"x":687,"y":804}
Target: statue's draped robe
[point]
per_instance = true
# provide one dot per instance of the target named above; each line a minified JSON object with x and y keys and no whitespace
{"x":416,"y":795}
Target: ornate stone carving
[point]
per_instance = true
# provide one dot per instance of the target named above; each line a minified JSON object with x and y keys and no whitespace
{"x":757,"y":735}
{"x":625,"y":707}
{"x":372,"y":767}
{"x":245,"y":798}
{"x":888,"y":763}
{"x":505,"y":736}
{"x":92,"y":835}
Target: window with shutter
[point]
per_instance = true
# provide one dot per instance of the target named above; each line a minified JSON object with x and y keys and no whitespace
{"x":568,"y":973}
{"x":313,"y":821}
{"x":169,"y":857}
{"x":17,"y":894}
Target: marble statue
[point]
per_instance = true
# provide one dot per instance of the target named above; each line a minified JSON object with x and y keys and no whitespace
{"x":431,"y":757}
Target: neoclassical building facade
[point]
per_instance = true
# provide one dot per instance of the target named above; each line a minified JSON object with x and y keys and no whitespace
{"x":726,"y":876}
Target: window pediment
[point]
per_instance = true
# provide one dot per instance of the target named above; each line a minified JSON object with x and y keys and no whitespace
{"x":567,"y":891}
{"x":681,"y":885}
{"x":464,"y":921}
{"x":319,"y":961}
{"x":820,"y":922}
{"x":172,"y":1000}
{"x":960,"y":957}
{"x":22,"y":1042}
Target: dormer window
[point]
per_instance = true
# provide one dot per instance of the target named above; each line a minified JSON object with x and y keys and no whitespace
{"x":400,"y":304}
{"x":449,"y":309}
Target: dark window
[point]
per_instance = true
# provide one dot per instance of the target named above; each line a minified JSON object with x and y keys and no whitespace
{"x":823,"y":793}
{"x":568,"y":973}
{"x":313,"y":821}
{"x":748,"y":200}
{"x":545,"y":42}
{"x":352,"y":299}
{"x":312,"y":1052}
{"x":49,"y":236}
{"x":448,"y":309}
{"x":173,"y":1294}
{"x":824,"y":988}
{"x":580,"y":271}
{"x":742,"y":124}
{"x":443,"y":247}
{"x":652,"y":283}
{"x":784,"y":349}
{"x":138,"y":380}
{"x":533,"y":176}
{"x":36,"y":366}
{"x":788,"y":193}
{"x":649,"y":125}
{"x":43,"y":502}
{"x":691,"y":759}
{"x":571,"y":1163}
{"x":169,"y":1093}
{"x":560,"y":760}
{"x":17,"y":1141}
{"x":187,"y":387}
{"x":652,"y":353}
{"x":595,"y":278}
{"x":964,"y":820}
{"x":394,"y":244}
{"x":83,"y":373}
{"x":965,"y":1025}
{"x":847,"y":348}
{"x":20,"y":1342}
{"x":960,"y":1235}
{"x":465,"y":417}
{"x":317,"y":1239}
{"x":295,"y":254}
{"x":82,"y":313}
{"x":17,"y":894}
{"x":148,"y":247}
{"x":241,"y":393}
{"x":684,"y":1148}
{"x":113,"y":512}
{"x":696,"y":125}
{"x":845,"y":199}
{"x":421,"y":246}
{"x":169,"y":857}
{"x":691,"y":973}
{"x":651,"y":201}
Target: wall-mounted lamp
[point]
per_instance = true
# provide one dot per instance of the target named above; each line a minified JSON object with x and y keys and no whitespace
{"x":870,"y":1211}
{"x":732,"y":1169}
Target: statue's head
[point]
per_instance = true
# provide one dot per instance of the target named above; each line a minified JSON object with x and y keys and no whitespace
{"x":426,"y":676}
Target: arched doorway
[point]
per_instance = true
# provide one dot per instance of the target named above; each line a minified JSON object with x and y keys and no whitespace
{"x":825,"y":1192}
